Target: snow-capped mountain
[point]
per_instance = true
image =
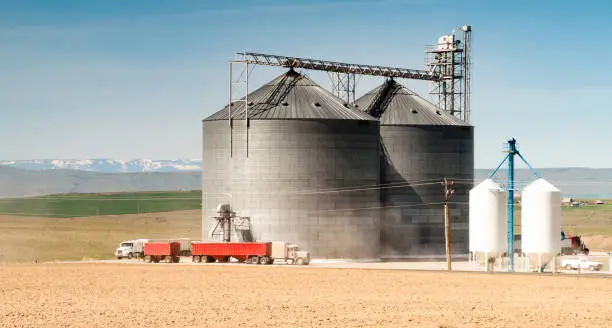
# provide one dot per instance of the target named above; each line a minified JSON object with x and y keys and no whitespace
{"x":108,"y":165}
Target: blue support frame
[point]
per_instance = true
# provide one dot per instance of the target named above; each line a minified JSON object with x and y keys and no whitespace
{"x":498,"y":167}
{"x":528,"y":165}
{"x":512,"y":151}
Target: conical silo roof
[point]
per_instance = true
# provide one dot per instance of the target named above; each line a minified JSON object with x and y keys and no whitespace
{"x":291,"y":96}
{"x":487,"y":184}
{"x":394,"y":104}
{"x":540,"y":184}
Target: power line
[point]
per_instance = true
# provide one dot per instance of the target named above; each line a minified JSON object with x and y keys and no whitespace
{"x":404,"y":204}
{"x":324,"y":191}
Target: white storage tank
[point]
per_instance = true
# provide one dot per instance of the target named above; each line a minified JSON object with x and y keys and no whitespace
{"x":541,"y":221}
{"x":488,"y":210}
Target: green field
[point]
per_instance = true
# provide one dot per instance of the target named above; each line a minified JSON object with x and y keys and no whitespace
{"x":583,"y":220}
{"x":83,"y":205}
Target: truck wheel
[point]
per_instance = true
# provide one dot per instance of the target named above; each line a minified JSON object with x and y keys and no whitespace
{"x":263,"y":260}
{"x":568,"y":266}
{"x":130,"y":256}
{"x":119,"y":257}
{"x":156,"y":259}
{"x":176,"y":259}
{"x":254,"y":260}
{"x":196,"y":259}
{"x":591,"y":268}
{"x":148,"y":259}
{"x":300,"y":261}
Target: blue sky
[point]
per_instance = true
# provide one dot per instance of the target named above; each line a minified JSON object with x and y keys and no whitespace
{"x":132,"y":79}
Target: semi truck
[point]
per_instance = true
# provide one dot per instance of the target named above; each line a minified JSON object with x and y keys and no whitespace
{"x":570,"y":245}
{"x":256,"y":253}
{"x":135,"y":248}
{"x":249,"y":252}
{"x":184,"y":243}
{"x":573,"y":245}
{"x":131,"y":248}
{"x":159,"y":251}
{"x":290,"y":253}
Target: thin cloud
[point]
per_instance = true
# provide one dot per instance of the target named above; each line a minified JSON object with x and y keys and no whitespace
{"x":144,"y":18}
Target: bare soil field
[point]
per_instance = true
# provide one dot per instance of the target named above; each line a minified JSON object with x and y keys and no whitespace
{"x":163,"y":295}
{"x":598,"y":243}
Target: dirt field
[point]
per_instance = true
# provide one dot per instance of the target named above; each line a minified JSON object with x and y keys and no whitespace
{"x":162,"y":295}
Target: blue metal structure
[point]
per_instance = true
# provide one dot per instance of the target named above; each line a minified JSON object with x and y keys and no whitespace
{"x":512,"y":151}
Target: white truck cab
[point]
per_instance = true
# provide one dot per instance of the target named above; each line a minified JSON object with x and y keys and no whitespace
{"x":131,"y":248}
{"x":290,"y":253}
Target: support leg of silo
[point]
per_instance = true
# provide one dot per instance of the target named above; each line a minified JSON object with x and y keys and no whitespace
{"x":487,"y":261}
{"x":554,"y":264}
{"x":473,"y":257}
{"x":540,"y":262}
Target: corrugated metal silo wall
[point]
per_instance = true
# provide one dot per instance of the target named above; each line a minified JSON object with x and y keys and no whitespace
{"x":410,"y":224}
{"x":295,"y":184}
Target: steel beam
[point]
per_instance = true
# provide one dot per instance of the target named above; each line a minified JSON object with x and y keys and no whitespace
{"x":330,"y":66}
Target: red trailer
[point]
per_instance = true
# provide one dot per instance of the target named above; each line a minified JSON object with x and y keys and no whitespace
{"x":156,"y":252}
{"x":256,"y":253}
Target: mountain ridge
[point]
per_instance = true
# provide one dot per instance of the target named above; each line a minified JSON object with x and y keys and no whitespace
{"x":107,"y":165}
{"x":110,"y":165}
{"x":19,"y":182}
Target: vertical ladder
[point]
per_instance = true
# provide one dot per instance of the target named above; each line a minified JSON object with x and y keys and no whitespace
{"x":243,"y":97}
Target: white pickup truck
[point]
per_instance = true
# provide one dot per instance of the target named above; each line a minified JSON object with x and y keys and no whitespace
{"x":582,"y":264}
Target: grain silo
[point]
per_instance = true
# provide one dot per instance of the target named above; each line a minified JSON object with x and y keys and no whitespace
{"x":540,"y":222}
{"x":421,"y":145}
{"x":488,"y":217}
{"x":305,"y":170}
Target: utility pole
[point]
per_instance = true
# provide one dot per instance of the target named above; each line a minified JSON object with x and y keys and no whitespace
{"x":447,"y":192}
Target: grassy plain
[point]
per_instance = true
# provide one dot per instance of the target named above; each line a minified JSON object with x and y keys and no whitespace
{"x":26,"y":239}
{"x":102,"y":295}
{"x":586,"y":220}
